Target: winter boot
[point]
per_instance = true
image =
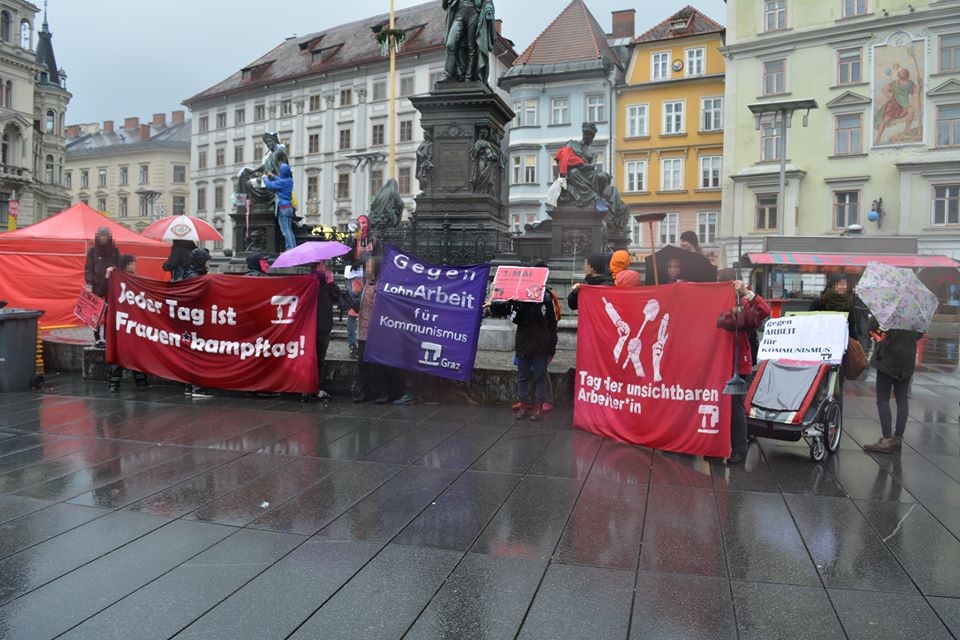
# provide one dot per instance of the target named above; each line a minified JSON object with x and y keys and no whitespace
{"x":884,"y":445}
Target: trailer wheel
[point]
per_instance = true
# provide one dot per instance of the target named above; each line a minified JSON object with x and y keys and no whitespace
{"x":833,"y":427}
{"x":818,"y":449}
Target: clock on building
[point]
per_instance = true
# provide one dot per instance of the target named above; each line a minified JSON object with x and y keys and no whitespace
{"x":677,"y":64}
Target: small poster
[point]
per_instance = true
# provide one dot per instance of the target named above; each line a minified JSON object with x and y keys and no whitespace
{"x":89,"y":309}
{"x":524,"y":284}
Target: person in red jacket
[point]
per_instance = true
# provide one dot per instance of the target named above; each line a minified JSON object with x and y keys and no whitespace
{"x":754,"y":310}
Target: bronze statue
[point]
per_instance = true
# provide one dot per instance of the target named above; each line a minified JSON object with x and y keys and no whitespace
{"x":486,"y":164}
{"x":471,"y":33}
{"x":589,"y":186}
{"x":425,"y":159}
{"x":248,"y":180}
{"x":386,"y":210}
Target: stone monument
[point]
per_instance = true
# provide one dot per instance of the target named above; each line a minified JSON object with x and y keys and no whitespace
{"x":255,"y":225}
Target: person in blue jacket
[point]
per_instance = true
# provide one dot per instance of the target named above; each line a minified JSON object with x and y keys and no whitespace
{"x":282,"y":185}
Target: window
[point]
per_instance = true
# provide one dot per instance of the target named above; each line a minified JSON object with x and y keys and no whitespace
{"x":407,"y":86}
{"x":637,"y":120}
{"x":84,"y":179}
{"x":180,"y":173}
{"x":201,"y":162}
{"x":846,"y":207}
{"x":596,"y":109}
{"x":346,"y":97}
{"x":51,"y":121}
{"x":201,"y":198}
{"x":286,"y":107}
{"x":101,"y":173}
{"x":144,"y":211}
{"x":376,"y":181}
{"x":849,"y":134}
{"x":946,"y":204}
{"x":774,"y":15}
{"x":710,"y":168}
{"x":528,"y":113}
{"x":636,"y":231}
{"x":239,"y":116}
{"x":238,"y":154}
{"x":218,"y":198}
{"x":203,"y":124}
{"x":712,"y":110}
{"x":525,"y":169}
{"x":221,"y":156}
{"x":313,"y":187}
{"x":144,"y":173}
{"x":49,"y":168}
{"x":635,"y":175}
{"x":345,"y":138}
{"x":673,"y":117}
{"x":707,"y":227}
{"x":435,"y":77}
{"x":770,"y":141}
{"x":257,"y":150}
{"x":24,"y":34}
{"x":380,"y":90}
{"x":848,"y":66}
{"x":259,"y":112}
{"x":68,"y":180}
{"x":671,"y":174}
{"x":378,"y":137}
{"x":404,"y":180}
{"x":314,"y":102}
{"x":222,"y":120}
{"x":179,"y":205}
{"x":948,"y":125}
{"x":854,"y":8}
{"x":124,"y":207}
{"x":774,"y":77}
{"x":560,"y":110}
{"x":660,"y":66}
{"x":313,"y":143}
{"x":406,"y":130}
{"x":669,"y":228}
{"x":766,"y":219}
{"x":696,"y":61}
{"x":950,"y":52}
{"x":101,"y":204}
{"x":343,"y":185}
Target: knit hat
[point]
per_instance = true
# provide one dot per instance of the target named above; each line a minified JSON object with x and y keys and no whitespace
{"x":628,"y":278}
{"x":619,"y":262}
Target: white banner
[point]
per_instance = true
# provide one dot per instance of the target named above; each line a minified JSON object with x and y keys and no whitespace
{"x":814,"y":337}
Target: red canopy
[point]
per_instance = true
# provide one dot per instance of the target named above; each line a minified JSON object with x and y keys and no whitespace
{"x":850,"y":259}
{"x":41,"y":266}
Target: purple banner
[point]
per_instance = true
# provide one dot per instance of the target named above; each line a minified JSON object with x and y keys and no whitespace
{"x":426,"y":317}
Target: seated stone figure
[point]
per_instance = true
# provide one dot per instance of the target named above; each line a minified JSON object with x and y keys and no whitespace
{"x":589,"y":186}
{"x":386,"y":210}
{"x":249,"y":179}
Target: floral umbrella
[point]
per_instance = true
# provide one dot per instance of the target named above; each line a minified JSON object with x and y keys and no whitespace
{"x":896,"y":297}
{"x":181,"y":228}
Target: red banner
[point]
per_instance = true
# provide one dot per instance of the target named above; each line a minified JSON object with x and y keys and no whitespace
{"x":651,"y":366}
{"x":224,"y":332}
{"x":89,"y":309}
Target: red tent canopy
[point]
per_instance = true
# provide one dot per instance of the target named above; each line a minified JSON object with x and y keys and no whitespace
{"x":41,"y":266}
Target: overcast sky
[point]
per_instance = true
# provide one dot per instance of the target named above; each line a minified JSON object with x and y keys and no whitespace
{"x":138,"y":57}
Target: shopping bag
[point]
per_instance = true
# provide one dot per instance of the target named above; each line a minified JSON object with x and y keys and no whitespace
{"x":553,"y":193}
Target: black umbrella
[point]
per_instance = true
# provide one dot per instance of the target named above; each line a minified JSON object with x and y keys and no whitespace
{"x":673,"y":264}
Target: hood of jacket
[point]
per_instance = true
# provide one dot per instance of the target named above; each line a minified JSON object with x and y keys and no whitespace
{"x":253,"y":262}
{"x":284,"y":171}
{"x":198,"y":260}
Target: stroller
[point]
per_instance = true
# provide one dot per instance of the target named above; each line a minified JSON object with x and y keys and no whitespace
{"x":793,"y":397}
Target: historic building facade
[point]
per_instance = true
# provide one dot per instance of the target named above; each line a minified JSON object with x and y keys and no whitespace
{"x":135,"y":173}
{"x":33,"y":104}
{"x":868,"y":95}
{"x":326,"y":94}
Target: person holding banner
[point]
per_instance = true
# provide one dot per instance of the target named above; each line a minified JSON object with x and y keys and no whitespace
{"x":102,"y":258}
{"x":198,"y":267}
{"x":370,"y":378}
{"x":128,"y":263}
{"x":328,"y":295}
{"x":594,"y":273}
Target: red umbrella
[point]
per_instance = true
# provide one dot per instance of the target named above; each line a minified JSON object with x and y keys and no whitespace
{"x":182,"y":228}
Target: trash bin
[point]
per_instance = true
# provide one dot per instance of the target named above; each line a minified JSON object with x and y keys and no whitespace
{"x":18,"y":348}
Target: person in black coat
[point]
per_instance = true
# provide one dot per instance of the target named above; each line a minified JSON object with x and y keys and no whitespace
{"x":595,"y":273}
{"x":256,"y":265}
{"x":199,"y":266}
{"x":328,"y":296}
{"x":894,"y":358}
{"x":102,"y":258}
{"x":536,"y":344}
{"x":179,"y":258}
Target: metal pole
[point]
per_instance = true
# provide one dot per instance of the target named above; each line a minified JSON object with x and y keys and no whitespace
{"x":783,"y":172}
{"x":391,"y":43}
{"x":653,"y":255}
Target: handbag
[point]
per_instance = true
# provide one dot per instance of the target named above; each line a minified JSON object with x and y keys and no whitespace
{"x":856,"y":362}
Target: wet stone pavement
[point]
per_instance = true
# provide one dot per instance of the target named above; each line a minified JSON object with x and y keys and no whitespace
{"x":147,"y":515}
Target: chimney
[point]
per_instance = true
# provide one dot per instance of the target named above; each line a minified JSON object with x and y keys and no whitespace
{"x":144,"y":132}
{"x":108,"y":126}
{"x":624,"y":22}
{"x":498,"y":25}
{"x":177,"y":117}
{"x":160,"y":120}
{"x":73,"y":131}
{"x":131,"y":123}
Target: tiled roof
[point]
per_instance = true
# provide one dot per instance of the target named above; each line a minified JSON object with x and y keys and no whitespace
{"x":684,"y":23}
{"x":574,"y":36}
{"x":171,"y":136}
{"x":342,"y":46}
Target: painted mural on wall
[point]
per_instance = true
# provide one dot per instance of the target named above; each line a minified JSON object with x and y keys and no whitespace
{"x":898,"y":75}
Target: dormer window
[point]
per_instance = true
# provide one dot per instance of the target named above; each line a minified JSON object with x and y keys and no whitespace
{"x":253,"y":71}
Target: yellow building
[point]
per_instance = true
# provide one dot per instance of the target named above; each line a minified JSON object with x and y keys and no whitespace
{"x":670,"y":129}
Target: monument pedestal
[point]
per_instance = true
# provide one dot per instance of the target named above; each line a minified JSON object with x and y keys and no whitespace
{"x":570,"y":233}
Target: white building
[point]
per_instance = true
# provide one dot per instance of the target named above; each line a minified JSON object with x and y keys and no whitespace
{"x":326,"y":94}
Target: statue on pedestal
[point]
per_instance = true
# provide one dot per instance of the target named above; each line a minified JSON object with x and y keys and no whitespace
{"x":486,"y":164}
{"x":386,"y":210}
{"x":471,"y":33}
{"x":425,"y":159}
{"x":249,"y":181}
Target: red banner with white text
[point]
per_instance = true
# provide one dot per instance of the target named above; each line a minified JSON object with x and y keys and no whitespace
{"x":652,"y":365}
{"x":220,"y":331}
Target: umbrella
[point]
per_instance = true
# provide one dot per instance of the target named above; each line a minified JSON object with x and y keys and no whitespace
{"x":896,"y":297}
{"x":310,"y":252}
{"x":181,"y":228}
{"x":673,"y":263}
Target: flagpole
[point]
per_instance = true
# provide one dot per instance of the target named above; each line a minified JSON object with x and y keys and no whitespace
{"x":391,"y":43}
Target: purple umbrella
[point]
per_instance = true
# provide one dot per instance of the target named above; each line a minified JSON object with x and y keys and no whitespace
{"x":310,"y":252}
